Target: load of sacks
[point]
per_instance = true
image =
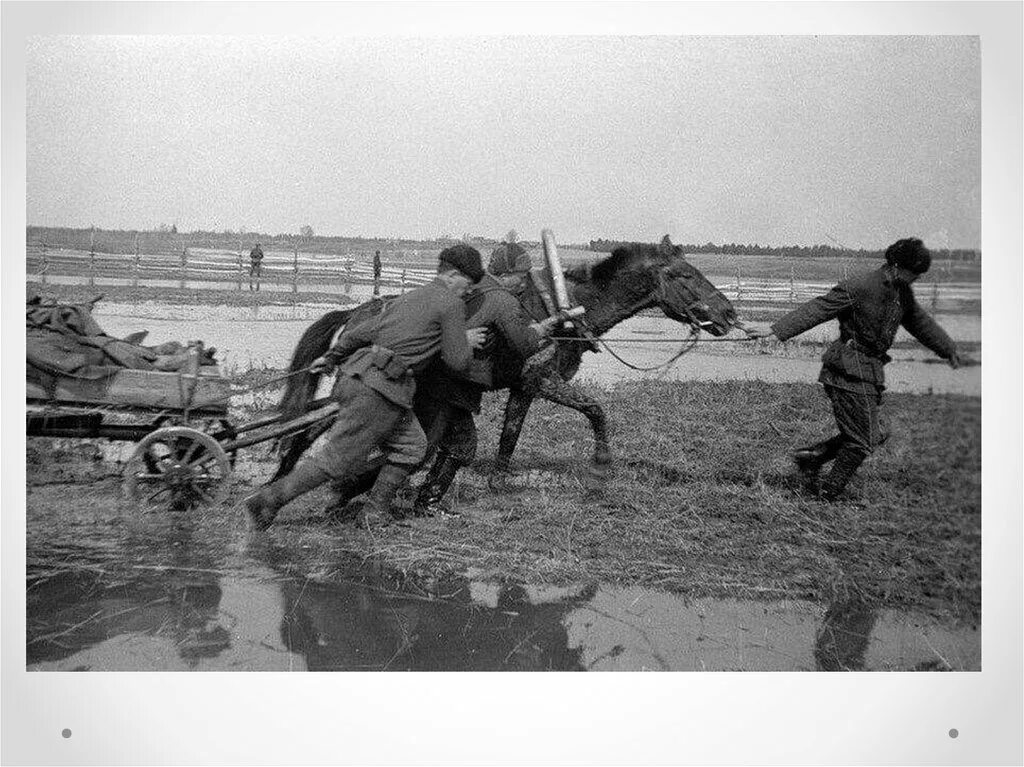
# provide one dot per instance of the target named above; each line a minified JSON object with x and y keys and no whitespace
{"x":65,"y":339}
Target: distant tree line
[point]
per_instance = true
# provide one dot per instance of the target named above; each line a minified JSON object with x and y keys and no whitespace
{"x":167,"y":239}
{"x":798,"y":251}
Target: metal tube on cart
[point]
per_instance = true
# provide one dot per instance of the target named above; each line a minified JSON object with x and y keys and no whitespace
{"x":555,"y":269}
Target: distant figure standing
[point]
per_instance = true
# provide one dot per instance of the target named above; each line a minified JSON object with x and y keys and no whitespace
{"x":255,"y":266}
{"x":376,"y":273}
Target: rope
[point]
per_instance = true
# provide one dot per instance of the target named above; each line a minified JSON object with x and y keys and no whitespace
{"x":689,"y":339}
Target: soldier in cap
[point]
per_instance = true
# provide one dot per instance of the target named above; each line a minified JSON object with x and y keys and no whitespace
{"x":447,"y":400}
{"x":376,"y":386}
{"x":509,"y":258}
{"x":870,"y":308}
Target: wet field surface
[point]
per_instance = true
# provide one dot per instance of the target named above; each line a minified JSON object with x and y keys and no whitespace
{"x":258,"y":337}
{"x":111,"y":589}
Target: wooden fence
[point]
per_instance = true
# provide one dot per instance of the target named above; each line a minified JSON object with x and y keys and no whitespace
{"x":296,"y":271}
{"x":222,"y":269}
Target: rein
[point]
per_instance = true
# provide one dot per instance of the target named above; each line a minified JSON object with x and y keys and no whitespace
{"x":660,"y":298}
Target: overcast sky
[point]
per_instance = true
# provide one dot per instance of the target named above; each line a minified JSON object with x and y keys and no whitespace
{"x":773,"y":140}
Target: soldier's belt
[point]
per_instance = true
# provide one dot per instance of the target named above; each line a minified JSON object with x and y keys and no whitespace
{"x":854,"y":344}
{"x":389,"y":363}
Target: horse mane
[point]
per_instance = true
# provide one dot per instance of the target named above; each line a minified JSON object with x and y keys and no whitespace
{"x":605,"y":270}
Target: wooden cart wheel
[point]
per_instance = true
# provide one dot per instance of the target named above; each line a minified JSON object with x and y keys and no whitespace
{"x":178,"y":468}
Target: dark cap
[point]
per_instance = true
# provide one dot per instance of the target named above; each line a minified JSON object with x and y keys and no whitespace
{"x":464,"y":258}
{"x":909,"y":254}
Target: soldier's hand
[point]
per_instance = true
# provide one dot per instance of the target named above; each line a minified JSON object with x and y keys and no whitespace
{"x":476,"y":337}
{"x":954,"y":361}
{"x":548,"y":324}
{"x":322,"y":365}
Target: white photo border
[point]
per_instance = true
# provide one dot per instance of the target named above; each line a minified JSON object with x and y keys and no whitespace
{"x":219,"y":718}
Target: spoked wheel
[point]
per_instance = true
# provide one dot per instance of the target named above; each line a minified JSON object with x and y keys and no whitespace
{"x":178,"y":468}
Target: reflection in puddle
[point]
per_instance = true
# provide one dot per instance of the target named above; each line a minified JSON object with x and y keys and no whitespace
{"x":251,"y":614}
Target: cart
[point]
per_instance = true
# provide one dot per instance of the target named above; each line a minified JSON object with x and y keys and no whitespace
{"x":186,"y":443}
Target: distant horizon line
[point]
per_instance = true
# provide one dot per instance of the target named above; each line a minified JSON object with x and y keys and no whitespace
{"x":450,"y":238}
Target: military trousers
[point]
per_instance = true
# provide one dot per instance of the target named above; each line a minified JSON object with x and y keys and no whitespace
{"x":368,"y":422}
{"x":449,"y":428}
{"x":858,"y":418}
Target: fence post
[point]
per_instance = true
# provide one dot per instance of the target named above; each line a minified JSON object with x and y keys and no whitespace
{"x":239,"y":263}
{"x":295,"y":274}
{"x":92,"y":256}
{"x":846,"y":271}
{"x":348,"y":277}
{"x":403,"y":280}
{"x":184,"y":265}
{"x":792,"y":284}
{"x":935,"y":295}
{"x":43,"y":266}
{"x":739,"y":290}
{"x":135,"y":275}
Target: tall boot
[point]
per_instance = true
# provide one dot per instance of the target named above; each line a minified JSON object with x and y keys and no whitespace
{"x":346,"y":490}
{"x":439,"y":479}
{"x":264,"y":505}
{"x":377,"y":508}
{"x":810,"y":459}
{"x":846,"y":464}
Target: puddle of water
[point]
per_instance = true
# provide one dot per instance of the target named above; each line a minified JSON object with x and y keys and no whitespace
{"x":356,"y":291}
{"x":114,"y":592}
{"x":244,"y":340}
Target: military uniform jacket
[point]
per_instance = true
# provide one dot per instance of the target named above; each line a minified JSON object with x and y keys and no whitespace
{"x":870,"y":308}
{"x":492,"y":306}
{"x":387,"y":350}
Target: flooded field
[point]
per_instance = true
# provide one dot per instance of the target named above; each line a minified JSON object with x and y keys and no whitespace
{"x":109,"y":589}
{"x":356,"y":292}
{"x":264,"y":336}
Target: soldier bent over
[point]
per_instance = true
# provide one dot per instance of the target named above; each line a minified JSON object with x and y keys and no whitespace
{"x":375,"y":387}
{"x":870,"y":308}
{"x":447,"y":400}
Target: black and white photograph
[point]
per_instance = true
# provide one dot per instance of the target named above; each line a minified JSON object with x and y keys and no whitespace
{"x":484,"y":351}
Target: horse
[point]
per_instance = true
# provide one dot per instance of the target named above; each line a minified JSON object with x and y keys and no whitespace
{"x":634,"y":277}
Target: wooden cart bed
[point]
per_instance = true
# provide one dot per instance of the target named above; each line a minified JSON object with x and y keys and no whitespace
{"x":141,"y":389}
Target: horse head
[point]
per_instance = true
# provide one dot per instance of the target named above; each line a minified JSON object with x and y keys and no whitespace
{"x":688,"y":296}
{"x":639,"y":276}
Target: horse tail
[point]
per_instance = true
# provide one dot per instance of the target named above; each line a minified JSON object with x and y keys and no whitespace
{"x":315,"y":342}
{"x":300,"y":389}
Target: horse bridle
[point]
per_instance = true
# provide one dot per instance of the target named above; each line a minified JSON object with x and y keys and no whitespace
{"x":660,"y":297}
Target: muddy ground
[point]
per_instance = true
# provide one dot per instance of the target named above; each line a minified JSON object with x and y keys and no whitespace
{"x":700,"y":501}
{"x":695,"y":551}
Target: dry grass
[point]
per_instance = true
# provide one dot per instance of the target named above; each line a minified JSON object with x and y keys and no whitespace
{"x":700,"y":500}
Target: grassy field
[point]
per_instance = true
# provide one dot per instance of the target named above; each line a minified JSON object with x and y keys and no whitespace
{"x":700,"y":500}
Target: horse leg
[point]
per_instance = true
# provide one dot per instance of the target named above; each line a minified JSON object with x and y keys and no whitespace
{"x":516,"y":408}
{"x":562,"y":392}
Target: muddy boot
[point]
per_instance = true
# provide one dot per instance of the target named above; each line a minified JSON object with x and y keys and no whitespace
{"x":264,"y":505}
{"x":346,"y":490}
{"x":809,"y":460}
{"x":439,"y":479}
{"x":846,"y":464}
{"x":377,"y":509}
